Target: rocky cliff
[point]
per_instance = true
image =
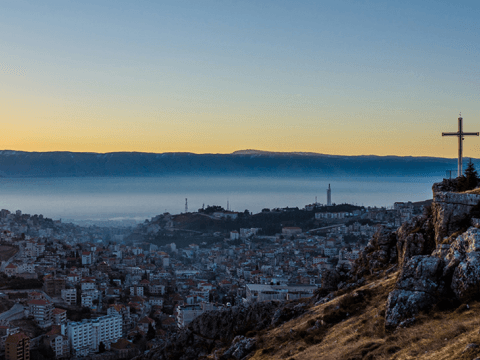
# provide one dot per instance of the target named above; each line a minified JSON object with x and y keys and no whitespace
{"x":438,"y":257}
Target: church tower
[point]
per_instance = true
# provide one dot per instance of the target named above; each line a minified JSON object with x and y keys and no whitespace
{"x":329,"y":196}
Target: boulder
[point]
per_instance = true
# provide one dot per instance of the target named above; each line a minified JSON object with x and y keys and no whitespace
{"x":466,"y":277}
{"x":403,"y":305}
{"x":418,"y":286}
{"x":422,"y":273}
{"x":465,"y":243}
{"x":241,"y":347}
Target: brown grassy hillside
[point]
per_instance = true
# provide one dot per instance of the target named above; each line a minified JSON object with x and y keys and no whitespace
{"x":437,"y":335}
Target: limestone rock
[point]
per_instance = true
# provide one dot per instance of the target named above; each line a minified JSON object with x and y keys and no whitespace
{"x":241,"y":347}
{"x":226,"y":324}
{"x":380,"y":252}
{"x":418,"y":286}
{"x":403,"y":305}
{"x":465,"y":243}
{"x":451,"y":212}
{"x":287,"y":312}
{"x":422,"y":273}
{"x":414,"y":238}
{"x":466,"y":277}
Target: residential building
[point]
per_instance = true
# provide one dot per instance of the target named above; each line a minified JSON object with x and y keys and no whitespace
{"x":53,"y":285}
{"x":59,"y":345}
{"x":42,"y":311}
{"x":187,"y":313}
{"x":85,"y":336}
{"x":86,"y":258}
{"x":17,"y":347}
{"x":59,"y":316}
{"x":70,"y":296}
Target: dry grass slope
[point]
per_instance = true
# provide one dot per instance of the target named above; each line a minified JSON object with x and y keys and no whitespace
{"x":355,"y":330}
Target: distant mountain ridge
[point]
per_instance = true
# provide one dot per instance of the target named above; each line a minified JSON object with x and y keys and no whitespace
{"x":242,"y":162}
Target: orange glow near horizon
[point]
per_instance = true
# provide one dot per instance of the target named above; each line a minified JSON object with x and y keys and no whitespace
{"x":50,"y":125}
{"x":341,"y":78}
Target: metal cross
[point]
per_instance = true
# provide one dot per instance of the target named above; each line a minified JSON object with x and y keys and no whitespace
{"x":460,"y":135}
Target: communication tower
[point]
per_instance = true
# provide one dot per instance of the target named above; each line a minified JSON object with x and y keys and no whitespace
{"x":329,"y":196}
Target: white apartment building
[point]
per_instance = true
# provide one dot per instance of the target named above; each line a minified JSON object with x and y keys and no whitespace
{"x":165,"y":261}
{"x":330,"y":251}
{"x":59,"y":344}
{"x":70,"y":296}
{"x":186,"y":313}
{"x":85,"y":336}
{"x":42,"y":311}
{"x":86,"y":258}
{"x":80,"y":337}
{"x":155,"y":301}
{"x":88,"y":285}
{"x":136,"y":290}
{"x":34,"y":249}
{"x":88,"y":297}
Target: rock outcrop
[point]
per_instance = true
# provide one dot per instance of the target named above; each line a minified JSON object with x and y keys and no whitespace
{"x":380,"y":252}
{"x":225,"y":332}
{"x":439,"y":256}
{"x":241,"y":347}
{"x":451,"y":212}
{"x":225,"y":325}
{"x":420,"y":282}
{"x":415,"y":237}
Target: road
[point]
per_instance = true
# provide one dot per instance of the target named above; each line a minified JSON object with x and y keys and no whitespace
{"x":15,"y":312}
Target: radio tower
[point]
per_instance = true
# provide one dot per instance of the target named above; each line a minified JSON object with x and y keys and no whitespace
{"x":329,"y":196}
{"x":186,"y":205}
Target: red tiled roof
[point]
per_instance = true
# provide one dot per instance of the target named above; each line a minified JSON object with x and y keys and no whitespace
{"x":38,"y":302}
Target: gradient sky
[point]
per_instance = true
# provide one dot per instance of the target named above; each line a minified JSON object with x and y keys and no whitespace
{"x":335,"y":77}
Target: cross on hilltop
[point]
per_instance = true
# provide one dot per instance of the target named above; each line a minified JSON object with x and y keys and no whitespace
{"x":460,"y":134}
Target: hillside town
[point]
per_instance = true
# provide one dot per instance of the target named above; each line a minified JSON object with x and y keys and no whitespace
{"x":112,"y":293}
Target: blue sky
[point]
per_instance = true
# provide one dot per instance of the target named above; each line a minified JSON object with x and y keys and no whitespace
{"x":339,"y":77}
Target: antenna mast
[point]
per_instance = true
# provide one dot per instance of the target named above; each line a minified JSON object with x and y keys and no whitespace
{"x":186,"y":205}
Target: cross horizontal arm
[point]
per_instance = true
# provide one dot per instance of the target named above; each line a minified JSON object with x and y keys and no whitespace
{"x":458,"y":134}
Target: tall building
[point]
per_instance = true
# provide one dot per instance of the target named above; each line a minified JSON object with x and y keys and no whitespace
{"x":42,"y":311}
{"x":85,"y":336}
{"x":329,"y":196}
{"x":17,"y":347}
{"x":53,"y":285}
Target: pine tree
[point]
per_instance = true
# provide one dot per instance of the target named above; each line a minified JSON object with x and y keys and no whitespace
{"x":471,"y":176}
{"x":470,"y":180}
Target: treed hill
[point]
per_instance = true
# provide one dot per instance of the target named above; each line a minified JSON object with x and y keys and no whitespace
{"x":52,"y":164}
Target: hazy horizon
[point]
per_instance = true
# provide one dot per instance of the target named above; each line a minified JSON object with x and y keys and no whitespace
{"x":104,"y":198}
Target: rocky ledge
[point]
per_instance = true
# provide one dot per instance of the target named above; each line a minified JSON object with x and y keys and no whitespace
{"x":438,"y":254}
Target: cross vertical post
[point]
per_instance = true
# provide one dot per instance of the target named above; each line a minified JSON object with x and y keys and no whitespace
{"x":460,"y":134}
